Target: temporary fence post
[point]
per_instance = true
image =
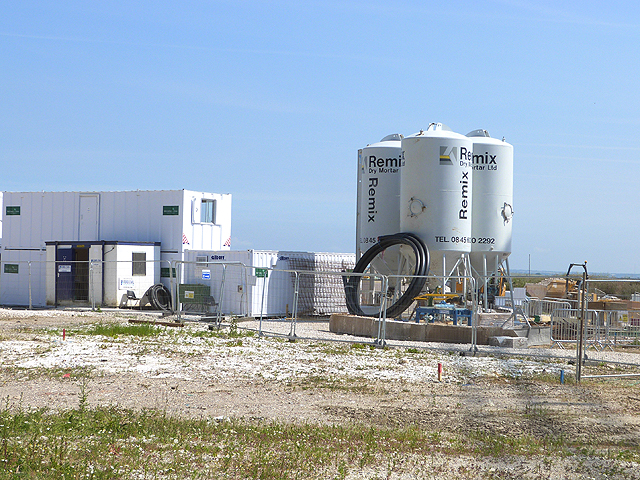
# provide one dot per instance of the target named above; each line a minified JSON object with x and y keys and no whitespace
{"x":172,"y":285}
{"x":264,"y":285}
{"x":579,"y":347}
{"x":294,"y":311}
{"x":474,"y":314}
{"x":30,"y":299}
{"x":246,"y":303}
{"x":220,"y":297}
{"x":382,"y":299}
{"x":582,"y":315}
{"x":485,"y":281}
{"x":174,"y":264}
{"x":93,"y":302}
{"x":382,"y":318}
{"x":384,"y":314}
{"x":160,"y":263}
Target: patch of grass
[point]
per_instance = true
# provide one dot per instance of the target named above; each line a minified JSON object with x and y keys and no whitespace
{"x":61,"y":373}
{"x":362,"y":346}
{"x":345,"y":348}
{"x":112,"y":442}
{"x":499,"y":445}
{"x":552,"y":378}
{"x":116,"y":443}
{"x":545,"y":377}
{"x":335,"y":349}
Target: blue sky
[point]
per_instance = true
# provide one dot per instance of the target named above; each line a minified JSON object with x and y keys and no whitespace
{"x":270,"y":101}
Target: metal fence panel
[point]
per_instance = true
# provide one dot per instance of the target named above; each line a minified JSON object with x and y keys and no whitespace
{"x":602,"y":328}
{"x":22,"y":278}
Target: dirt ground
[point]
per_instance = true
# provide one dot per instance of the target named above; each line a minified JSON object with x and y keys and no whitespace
{"x":463,"y":404}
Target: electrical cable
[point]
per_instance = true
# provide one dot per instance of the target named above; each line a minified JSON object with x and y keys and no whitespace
{"x":352,"y":285}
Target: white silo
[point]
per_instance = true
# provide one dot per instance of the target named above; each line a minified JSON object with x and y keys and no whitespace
{"x":492,"y":202}
{"x":378,"y":206}
{"x":436,"y":194}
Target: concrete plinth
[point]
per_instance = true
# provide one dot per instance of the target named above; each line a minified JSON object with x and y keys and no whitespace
{"x":427,"y":332}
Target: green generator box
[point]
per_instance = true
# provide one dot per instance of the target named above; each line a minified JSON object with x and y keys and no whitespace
{"x":194,"y":293}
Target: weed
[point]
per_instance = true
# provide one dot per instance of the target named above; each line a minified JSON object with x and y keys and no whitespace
{"x":535,"y":410}
{"x":114,"y":330}
{"x":233,"y":328}
{"x":232,"y":332}
{"x":335,"y":349}
{"x":83,"y":395}
{"x":336,"y":384}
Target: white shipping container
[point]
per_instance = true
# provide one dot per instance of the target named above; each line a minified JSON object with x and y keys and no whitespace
{"x":179,"y":219}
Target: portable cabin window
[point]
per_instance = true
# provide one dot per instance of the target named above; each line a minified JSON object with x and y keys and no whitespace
{"x":139,"y":265}
{"x":207,"y":211}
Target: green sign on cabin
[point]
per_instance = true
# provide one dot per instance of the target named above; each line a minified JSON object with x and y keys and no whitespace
{"x":13,"y":210}
{"x":171,"y":209}
{"x":262,"y":272}
{"x":165,"y":272}
{"x":10,"y":268}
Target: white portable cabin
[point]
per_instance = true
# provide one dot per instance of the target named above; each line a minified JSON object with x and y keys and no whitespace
{"x":236,"y":280}
{"x":179,"y":220}
{"x":258,"y":282}
{"x":107,"y":273}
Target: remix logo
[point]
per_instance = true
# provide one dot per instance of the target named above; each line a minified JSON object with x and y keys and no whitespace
{"x":446,"y":154}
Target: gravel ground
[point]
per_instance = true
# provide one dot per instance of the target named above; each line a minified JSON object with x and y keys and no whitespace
{"x":322,"y":378}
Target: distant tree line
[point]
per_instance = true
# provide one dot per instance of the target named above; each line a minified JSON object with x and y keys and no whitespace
{"x":622,"y":290}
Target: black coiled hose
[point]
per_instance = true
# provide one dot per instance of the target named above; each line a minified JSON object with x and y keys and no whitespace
{"x":352,"y":285}
{"x":159,"y":297}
